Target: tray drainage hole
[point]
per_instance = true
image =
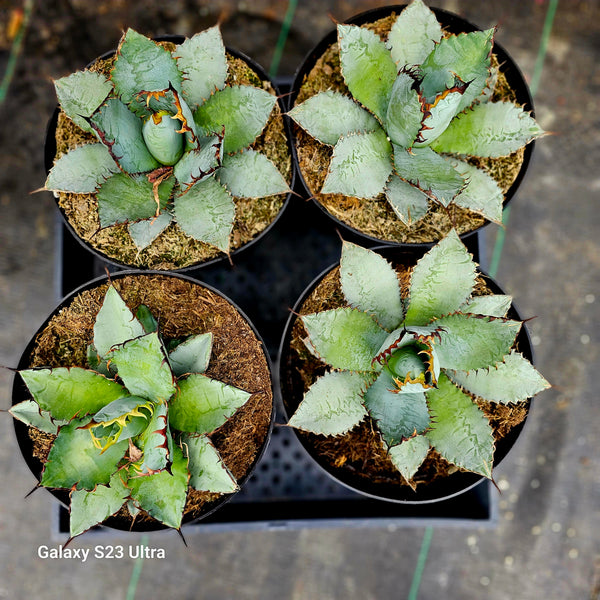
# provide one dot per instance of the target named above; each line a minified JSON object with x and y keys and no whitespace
{"x":276,"y":480}
{"x":276,"y":455}
{"x":287,"y":467}
{"x":264,"y":467}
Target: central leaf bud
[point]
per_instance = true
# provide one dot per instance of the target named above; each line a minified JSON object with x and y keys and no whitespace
{"x":406,"y":364}
{"x":163,"y":139}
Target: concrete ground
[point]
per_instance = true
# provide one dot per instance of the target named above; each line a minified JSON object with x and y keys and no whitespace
{"x":545,"y":541}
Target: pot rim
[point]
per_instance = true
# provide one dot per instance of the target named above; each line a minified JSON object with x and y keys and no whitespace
{"x":20,"y":392}
{"x":442,"y":488}
{"x":50,"y":154}
{"x":455,"y":24}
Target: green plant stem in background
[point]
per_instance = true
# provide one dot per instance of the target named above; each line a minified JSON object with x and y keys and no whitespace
{"x":535,"y":81}
{"x":15,"y":50}
{"x":421,"y":561}
{"x":137,"y":571}
{"x":283,"y":35}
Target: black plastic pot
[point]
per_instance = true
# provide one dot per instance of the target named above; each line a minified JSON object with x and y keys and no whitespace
{"x":453,"y":24}
{"x":21,"y":393}
{"x":50,"y":154}
{"x":440,"y":489}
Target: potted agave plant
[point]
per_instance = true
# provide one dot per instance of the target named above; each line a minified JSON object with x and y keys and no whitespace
{"x":143,"y":402}
{"x":168,"y":155}
{"x":407,"y":126}
{"x":404,"y":375}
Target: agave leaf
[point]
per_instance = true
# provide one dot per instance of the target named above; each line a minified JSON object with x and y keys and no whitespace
{"x":404,"y":115}
{"x":143,"y":66}
{"x":332,"y":405}
{"x":154,"y":443}
{"x":76,"y":462}
{"x":163,"y":494}
{"x":249,"y":174}
{"x":119,"y":409}
{"x":241,"y":109}
{"x":206,"y":212}
{"x":315,"y":116}
{"x":398,"y":415}
{"x":344,"y":338}
{"x":82,"y":170}
{"x":482,"y":194}
{"x":124,"y":198}
{"x":408,"y":202}
{"x":203,"y":404}
{"x":192,"y":355}
{"x":29,"y":413}
{"x":370,"y":284}
{"x":197,"y":164}
{"x":439,"y":113}
{"x":441,"y":281}
{"x":468,"y":342}
{"x":80,"y":94}
{"x":491,"y":129}
{"x":466,"y":56}
{"x":121,"y":131}
{"x":492,"y":305}
{"x":115,"y":323}
{"x":208,"y":472}
{"x":203,"y":62}
{"x":459,"y":431}
{"x":414,"y":34}
{"x":92,"y":508}
{"x":144,"y":369}
{"x":367,"y":67}
{"x":430,"y":172}
{"x":145,"y":231}
{"x":409,"y":455}
{"x":355,"y":155}
{"x":69,"y":392}
{"x":490,"y":85}
{"x":514,"y":379}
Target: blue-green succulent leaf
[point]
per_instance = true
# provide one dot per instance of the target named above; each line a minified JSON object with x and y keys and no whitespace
{"x":482,"y":194}
{"x":144,"y":369}
{"x":398,"y":415}
{"x":121,"y":131}
{"x":408,"y":202}
{"x":333,"y":404}
{"x":355,"y":155}
{"x":250,"y":174}
{"x":143,"y":66}
{"x":29,"y":413}
{"x":203,"y":404}
{"x":492,"y":305}
{"x":203,"y":62}
{"x":145,"y":231}
{"x":404,"y":115}
{"x":459,"y":430}
{"x":80,"y":94}
{"x":82,"y":170}
{"x":91,"y":508}
{"x":163,"y":494}
{"x":441,"y":281}
{"x":199,"y":163}
{"x":371,"y":284}
{"x":467,"y":56}
{"x":75,"y":461}
{"x":115,"y":323}
{"x":414,"y":34}
{"x":192,"y":355}
{"x":409,"y":455}
{"x":164,"y":138}
{"x":466,"y":342}
{"x":367,"y":67}
{"x":491,"y":129}
{"x":118,"y":409}
{"x":514,"y":379}
{"x":344,"y":338}
{"x":315,"y":116}
{"x":430,"y":172}
{"x":124,"y":198}
{"x":69,"y":392}
{"x":241,"y":109}
{"x":208,"y":472}
{"x":154,"y":442}
{"x":206,"y":212}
